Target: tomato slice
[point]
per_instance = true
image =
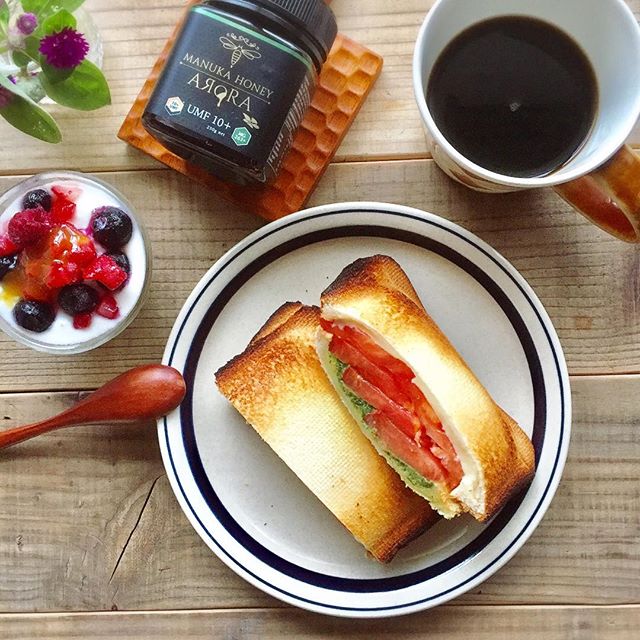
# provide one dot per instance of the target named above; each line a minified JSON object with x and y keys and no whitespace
{"x":403,"y":419}
{"x":386,"y":383}
{"x":327,"y":325}
{"x":429,"y":420}
{"x":374,"y":353}
{"x":381,"y":379}
{"x":437,"y":440}
{"x":405,"y":447}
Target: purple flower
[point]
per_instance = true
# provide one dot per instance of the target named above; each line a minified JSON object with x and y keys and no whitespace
{"x":27,"y":23}
{"x":64,"y":50}
{"x":5,"y":97}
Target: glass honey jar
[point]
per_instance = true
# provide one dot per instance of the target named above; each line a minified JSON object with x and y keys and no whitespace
{"x":237,"y":83}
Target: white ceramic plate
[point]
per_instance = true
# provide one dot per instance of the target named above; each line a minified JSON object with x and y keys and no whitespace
{"x":251,"y":509}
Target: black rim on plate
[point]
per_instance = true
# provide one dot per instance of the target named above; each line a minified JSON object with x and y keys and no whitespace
{"x":226,"y":520}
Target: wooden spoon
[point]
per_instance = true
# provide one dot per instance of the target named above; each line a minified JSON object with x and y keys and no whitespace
{"x":146,"y":392}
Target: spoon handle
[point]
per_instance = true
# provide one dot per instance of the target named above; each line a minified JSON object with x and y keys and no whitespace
{"x":146,"y":392}
{"x":18,"y":434}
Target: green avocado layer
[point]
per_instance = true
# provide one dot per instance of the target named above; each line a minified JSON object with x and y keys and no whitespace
{"x":412,"y":478}
{"x":362,"y":408}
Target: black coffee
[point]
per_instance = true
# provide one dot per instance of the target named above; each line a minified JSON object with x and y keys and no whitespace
{"x":514,"y":95}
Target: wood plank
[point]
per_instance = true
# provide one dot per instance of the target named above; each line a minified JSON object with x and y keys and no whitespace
{"x":134,"y":33}
{"x":587,"y":281}
{"x":444,"y":623}
{"x":89,"y":521}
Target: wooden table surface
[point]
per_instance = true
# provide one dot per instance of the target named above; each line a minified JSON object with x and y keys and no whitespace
{"x":92,"y":541}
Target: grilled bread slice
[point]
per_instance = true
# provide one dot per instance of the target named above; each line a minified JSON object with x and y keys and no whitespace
{"x":279,"y":387}
{"x":427,"y":413}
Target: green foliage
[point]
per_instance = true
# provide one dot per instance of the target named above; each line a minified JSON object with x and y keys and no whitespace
{"x":24,"y":114}
{"x":84,"y":88}
{"x":20,"y":59}
{"x":29,"y":53}
{"x":56,"y":23}
{"x":45,"y":8}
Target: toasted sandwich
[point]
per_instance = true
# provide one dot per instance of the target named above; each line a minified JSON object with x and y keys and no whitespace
{"x":279,"y":387}
{"x":413,"y":395}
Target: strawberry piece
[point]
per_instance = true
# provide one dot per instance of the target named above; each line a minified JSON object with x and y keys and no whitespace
{"x":108,"y":307}
{"x":62,"y":274}
{"x":62,"y":210}
{"x":82,"y":320}
{"x":84,"y":252}
{"x":7,"y":247}
{"x":68,"y":193}
{"x":28,"y":227}
{"x":106,"y":271}
{"x":64,"y":202}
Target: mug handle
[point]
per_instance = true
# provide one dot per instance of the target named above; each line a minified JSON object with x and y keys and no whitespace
{"x":610,"y":196}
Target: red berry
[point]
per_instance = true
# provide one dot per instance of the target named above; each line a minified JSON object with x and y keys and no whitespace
{"x":82,"y":320}
{"x":84,"y":254}
{"x":7,"y":248}
{"x":106,"y":271}
{"x":63,"y":210}
{"x":108,"y":307}
{"x":29,"y":226}
{"x":63,"y":273}
{"x":68,"y":193}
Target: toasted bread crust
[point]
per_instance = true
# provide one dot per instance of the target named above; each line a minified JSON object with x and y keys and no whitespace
{"x":497,"y":457}
{"x":279,"y":387}
{"x":276,"y":319}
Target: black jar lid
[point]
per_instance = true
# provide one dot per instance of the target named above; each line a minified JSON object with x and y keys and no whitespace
{"x":312,"y":21}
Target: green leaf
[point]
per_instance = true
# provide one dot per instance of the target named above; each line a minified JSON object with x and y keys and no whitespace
{"x":4,"y":12}
{"x":20,"y":59}
{"x":32,"y":47}
{"x":34,"y":6}
{"x":32,"y":88}
{"x":24,"y":114}
{"x":29,"y":52}
{"x":44,"y":8}
{"x":53,"y":74}
{"x":84,"y":88}
{"x":57,"y":22}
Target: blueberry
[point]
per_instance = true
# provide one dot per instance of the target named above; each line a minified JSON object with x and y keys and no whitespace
{"x":37,"y":198}
{"x":34,"y":316}
{"x":111,"y":227}
{"x":7,"y":263}
{"x":121,"y":260}
{"x":78,"y":298}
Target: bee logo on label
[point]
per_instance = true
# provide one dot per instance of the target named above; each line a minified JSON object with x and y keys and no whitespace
{"x":240,"y":47}
{"x":250,"y":122}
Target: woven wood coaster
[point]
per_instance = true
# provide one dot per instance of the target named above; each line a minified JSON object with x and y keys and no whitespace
{"x":344,"y":83}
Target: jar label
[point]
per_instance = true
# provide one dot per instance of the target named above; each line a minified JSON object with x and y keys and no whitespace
{"x":238,"y":87}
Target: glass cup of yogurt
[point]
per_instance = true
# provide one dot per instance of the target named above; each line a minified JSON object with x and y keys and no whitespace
{"x":75,"y":263}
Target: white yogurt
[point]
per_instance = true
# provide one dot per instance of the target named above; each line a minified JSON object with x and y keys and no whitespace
{"x":61,"y":336}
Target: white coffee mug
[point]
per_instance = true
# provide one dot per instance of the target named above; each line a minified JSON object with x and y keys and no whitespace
{"x":602,"y":180}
